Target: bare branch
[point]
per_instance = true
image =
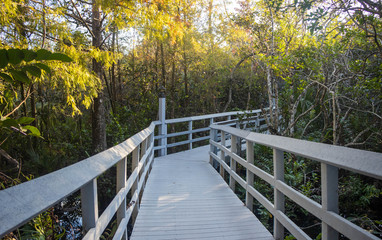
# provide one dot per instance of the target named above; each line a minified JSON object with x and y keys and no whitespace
{"x":310,"y":122}
{"x":104,"y":40}
{"x":231,"y":79}
{"x":9,"y":159}
{"x":15,"y":109}
{"x":364,"y":111}
{"x":82,"y":19}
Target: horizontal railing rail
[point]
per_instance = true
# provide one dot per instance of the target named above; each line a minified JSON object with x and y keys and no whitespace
{"x":21,"y":203}
{"x":331,"y":159}
{"x":240,"y":117}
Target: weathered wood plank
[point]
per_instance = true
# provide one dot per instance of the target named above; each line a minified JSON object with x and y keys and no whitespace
{"x":185,"y":198}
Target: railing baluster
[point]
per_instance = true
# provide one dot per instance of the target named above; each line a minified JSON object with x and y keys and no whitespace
{"x":135,"y":187}
{"x":152,"y":151}
{"x":250,"y":175}
{"x":329,"y":195}
{"x":163,"y":126}
{"x":232,"y":181}
{"x":190,"y":135}
{"x":121,"y":183}
{"x":279,"y":198}
{"x":143,"y":152}
{"x":89,"y":205}
{"x":222,"y":154}
{"x":257,"y":126}
{"x":143,"y":149}
{"x":213,"y":136}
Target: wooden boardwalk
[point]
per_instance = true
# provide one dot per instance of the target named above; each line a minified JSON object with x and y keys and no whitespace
{"x":185,"y":198}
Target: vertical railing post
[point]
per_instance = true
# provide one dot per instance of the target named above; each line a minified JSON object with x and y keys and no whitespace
{"x":214,"y":137}
{"x":190,"y":135}
{"x":222,"y":154}
{"x":232,"y":164}
{"x":250,"y":175}
{"x":89,"y":205}
{"x":279,"y":198}
{"x":143,"y":152}
{"x":257,"y":122}
{"x":238,"y":140}
{"x":143,"y":149}
{"x":152,"y":150}
{"x":121,"y":183}
{"x":135,"y":187}
{"x":144,"y":146}
{"x":163,"y":126}
{"x":329,"y":195}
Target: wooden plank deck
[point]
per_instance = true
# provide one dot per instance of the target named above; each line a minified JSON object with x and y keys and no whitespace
{"x":185,"y":198}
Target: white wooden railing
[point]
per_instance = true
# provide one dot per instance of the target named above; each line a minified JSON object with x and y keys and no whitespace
{"x":331,"y":158}
{"x":21,"y":203}
{"x":248,"y":119}
{"x":239,"y":119}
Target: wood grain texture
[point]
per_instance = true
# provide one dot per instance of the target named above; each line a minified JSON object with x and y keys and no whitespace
{"x":185,"y":198}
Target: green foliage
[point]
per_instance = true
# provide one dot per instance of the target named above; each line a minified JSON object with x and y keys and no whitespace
{"x":44,"y":226}
{"x":356,"y":194}
{"x":18,"y":66}
{"x":20,"y":125}
{"x":110,"y":231}
{"x":289,"y":237}
{"x":309,"y":51}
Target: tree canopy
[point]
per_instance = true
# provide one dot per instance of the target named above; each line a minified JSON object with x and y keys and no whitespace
{"x":78,"y":76}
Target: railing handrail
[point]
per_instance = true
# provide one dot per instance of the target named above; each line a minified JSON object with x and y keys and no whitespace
{"x":331,"y":158}
{"x":250,"y":116}
{"x":209,"y":116}
{"x":22,"y":202}
{"x":359,"y":161}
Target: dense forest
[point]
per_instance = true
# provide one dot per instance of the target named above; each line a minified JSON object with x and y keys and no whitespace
{"x":79,"y":76}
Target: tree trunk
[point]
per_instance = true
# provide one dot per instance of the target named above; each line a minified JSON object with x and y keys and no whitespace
{"x":163,"y":66}
{"x":270,"y":93}
{"x":113,"y":78}
{"x":211,"y":37}
{"x":185,"y":68}
{"x":119,"y":73}
{"x":156,"y":68}
{"x":98,"y":113}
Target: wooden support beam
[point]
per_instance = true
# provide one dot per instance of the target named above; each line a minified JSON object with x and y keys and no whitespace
{"x":162,"y":126}
{"x":250,"y":175}
{"x":135,"y":187}
{"x":232,"y":181}
{"x":213,"y":136}
{"x":121,"y":183}
{"x":222,"y":154}
{"x":190,"y":135}
{"x":329,"y":196}
{"x":279,"y":198}
{"x":89,"y":205}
